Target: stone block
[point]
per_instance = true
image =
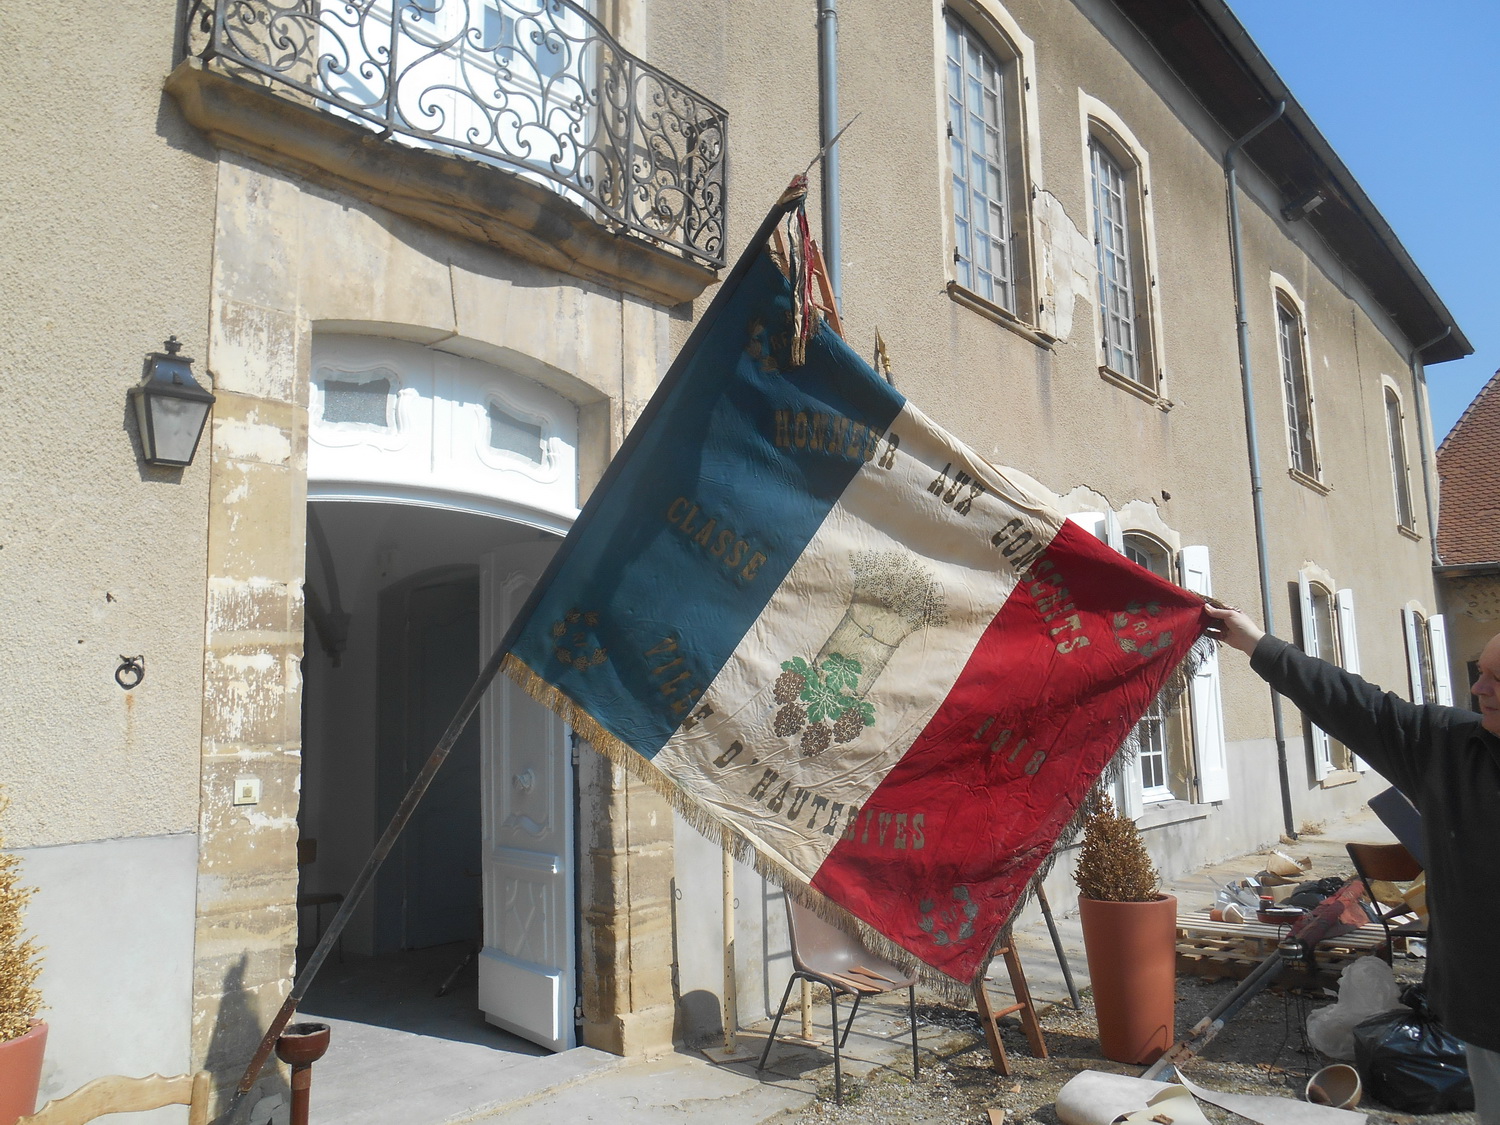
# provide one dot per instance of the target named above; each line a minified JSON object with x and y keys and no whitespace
{"x":647,"y":347}
{"x":251,"y":694}
{"x":255,"y":242}
{"x":257,"y":522}
{"x":229,"y":1025}
{"x":265,"y":607}
{"x":256,"y":352}
{"x":544,"y":322}
{"x":643,"y":1033}
{"x":256,"y":429}
{"x":373,"y":268}
{"x":239,"y":949}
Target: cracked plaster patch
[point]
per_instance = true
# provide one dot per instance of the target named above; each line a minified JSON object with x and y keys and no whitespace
{"x":1068,"y":265}
{"x":247,"y":439}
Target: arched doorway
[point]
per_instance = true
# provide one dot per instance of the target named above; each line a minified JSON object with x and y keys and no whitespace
{"x":438,"y":487}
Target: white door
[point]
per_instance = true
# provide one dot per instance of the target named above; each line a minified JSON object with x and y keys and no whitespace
{"x":527,"y":982}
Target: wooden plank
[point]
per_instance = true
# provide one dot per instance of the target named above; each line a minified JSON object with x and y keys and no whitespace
{"x":1195,"y":923}
{"x":116,"y":1093}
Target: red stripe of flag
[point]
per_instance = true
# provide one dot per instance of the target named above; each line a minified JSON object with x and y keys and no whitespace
{"x":944,"y":848}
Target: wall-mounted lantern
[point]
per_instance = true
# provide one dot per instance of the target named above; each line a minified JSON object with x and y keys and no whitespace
{"x":171,"y":407}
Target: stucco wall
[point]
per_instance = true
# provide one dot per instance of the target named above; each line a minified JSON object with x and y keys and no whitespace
{"x":107,"y":205}
{"x":1046,"y":410}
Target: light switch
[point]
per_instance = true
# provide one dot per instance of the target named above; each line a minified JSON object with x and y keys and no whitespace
{"x":247,"y":790}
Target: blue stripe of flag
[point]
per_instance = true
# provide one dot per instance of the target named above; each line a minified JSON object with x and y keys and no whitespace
{"x":677,"y":556}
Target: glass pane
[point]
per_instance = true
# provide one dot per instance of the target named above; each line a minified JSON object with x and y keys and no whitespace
{"x":976,"y":116}
{"x":367,"y":404}
{"x":513,"y":435}
{"x":1399,"y":479}
{"x":510,"y":434}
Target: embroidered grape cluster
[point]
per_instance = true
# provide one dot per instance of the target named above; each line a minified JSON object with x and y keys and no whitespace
{"x":789,"y":720}
{"x":849,"y":724}
{"x":815,"y":740}
{"x":789,"y":685}
{"x":817,"y":700}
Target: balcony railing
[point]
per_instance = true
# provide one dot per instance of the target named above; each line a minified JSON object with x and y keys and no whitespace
{"x":537,"y":86}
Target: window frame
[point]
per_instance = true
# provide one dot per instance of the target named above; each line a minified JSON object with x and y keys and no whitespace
{"x":1297,"y":401}
{"x":1193,"y":728}
{"x":992,"y":31}
{"x":1327,"y":631}
{"x":1106,"y":134}
{"x":1395,"y":436}
{"x":1163,"y":727}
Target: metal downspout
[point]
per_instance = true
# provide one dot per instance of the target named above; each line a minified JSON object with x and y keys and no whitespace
{"x":1419,"y":388}
{"x":828,"y":127}
{"x":1257,"y":500}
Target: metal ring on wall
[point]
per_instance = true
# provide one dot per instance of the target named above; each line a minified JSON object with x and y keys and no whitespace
{"x":131,"y":672}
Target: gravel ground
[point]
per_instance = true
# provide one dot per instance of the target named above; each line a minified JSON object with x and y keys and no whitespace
{"x":1261,"y":1051}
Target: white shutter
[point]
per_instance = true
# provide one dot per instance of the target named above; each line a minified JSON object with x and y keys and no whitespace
{"x":1092,"y":522}
{"x":1349,"y":647}
{"x":1322,"y":750}
{"x":1104,"y":525}
{"x":1413,"y":654}
{"x":1204,"y":695}
{"x":1437,"y":636}
{"x":1112,"y":533}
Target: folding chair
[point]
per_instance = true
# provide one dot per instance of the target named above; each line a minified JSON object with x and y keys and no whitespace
{"x":824,"y":954}
{"x":115,"y":1093}
{"x":1389,"y":863}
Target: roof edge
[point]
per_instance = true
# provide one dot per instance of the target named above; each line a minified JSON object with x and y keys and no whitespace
{"x":1238,"y":42}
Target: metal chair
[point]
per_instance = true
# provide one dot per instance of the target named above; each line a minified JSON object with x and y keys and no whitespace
{"x":115,"y":1093}
{"x":307,"y":855}
{"x":824,"y":954}
{"x":1391,"y":863}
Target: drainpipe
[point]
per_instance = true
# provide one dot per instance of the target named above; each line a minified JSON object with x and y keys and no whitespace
{"x":1257,"y":499}
{"x":828,"y":127}
{"x":1419,"y":388}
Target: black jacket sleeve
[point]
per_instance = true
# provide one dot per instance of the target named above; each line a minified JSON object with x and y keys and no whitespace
{"x":1391,"y":733}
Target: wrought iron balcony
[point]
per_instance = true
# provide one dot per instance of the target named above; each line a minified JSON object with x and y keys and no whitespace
{"x":536,"y":86}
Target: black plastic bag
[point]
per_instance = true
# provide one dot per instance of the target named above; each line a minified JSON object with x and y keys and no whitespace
{"x":1308,"y":895}
{"x":1410,"y":1062}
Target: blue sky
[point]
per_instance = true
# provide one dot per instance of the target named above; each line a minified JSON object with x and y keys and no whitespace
{"x":1408,"y":94}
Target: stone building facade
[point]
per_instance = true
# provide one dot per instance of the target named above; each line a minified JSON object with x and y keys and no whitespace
{"x":426,"y":339}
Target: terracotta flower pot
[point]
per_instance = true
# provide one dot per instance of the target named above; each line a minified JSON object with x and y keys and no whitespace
{"x":1132,"y":955}
{"x":21,"y":1073}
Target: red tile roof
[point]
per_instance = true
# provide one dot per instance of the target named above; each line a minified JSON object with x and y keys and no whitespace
{"x":1468,"y":465}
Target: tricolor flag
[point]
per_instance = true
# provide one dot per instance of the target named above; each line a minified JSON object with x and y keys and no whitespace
{"x":832,"y":633}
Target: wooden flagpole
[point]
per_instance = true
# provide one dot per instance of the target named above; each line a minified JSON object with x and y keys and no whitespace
{"x":795,"y":193}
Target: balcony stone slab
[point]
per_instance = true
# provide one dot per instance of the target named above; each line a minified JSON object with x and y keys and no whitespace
{"x":454,"y":193}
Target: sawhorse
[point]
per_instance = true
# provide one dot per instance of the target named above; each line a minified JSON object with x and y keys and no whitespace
{"x":989,"y":1017}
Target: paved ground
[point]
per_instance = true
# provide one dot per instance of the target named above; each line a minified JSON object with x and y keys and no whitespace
{"x":685,"y":1086}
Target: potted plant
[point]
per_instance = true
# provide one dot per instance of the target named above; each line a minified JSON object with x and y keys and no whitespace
{"x":23,"y":1037}
{"x":1129,"y":936}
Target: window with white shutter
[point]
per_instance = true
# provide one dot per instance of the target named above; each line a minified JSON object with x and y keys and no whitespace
{"x":1205,"y":698}
{"x":1349,"y":648}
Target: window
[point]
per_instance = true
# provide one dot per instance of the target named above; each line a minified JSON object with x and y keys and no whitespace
{"x":1427,"y":657}
{"x":365,"y":402}
{"x":1181,"y":749}
{"x":1327,"y":621}
{"x":515,"y":435}
{"x":989,"y":185}
{"x":1116,"y":192}
{"x":1159,"y":733}
{"x":1400,"y":474}
{"x":1296,"y":390}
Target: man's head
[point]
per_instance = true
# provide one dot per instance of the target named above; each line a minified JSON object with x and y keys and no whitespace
{"x":1487,"y":687}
